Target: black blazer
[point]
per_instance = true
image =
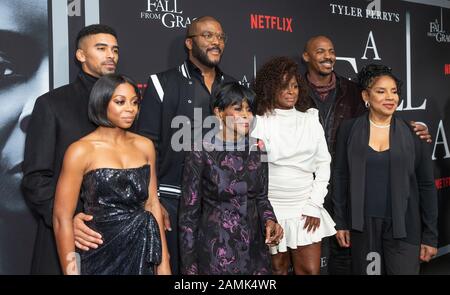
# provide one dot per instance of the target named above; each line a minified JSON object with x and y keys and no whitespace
{"x":417,"y":215}
{"x":59,"y":118}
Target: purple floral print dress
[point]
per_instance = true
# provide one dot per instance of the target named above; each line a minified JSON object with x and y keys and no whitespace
{"x":223,"y":211}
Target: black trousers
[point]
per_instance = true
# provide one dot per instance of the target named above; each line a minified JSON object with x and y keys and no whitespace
{"x":45,"y":255}
{"x":340,"y":260}
{"x":171,"y":205}
{"x":375,"y":251}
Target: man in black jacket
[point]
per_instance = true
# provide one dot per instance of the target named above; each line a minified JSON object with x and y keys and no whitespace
{"x":177,"y":94}
{"x":337,"y":99}
{"x":59,"y":118}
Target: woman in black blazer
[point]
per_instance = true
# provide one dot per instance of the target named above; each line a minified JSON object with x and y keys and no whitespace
{"x":385,"y":201}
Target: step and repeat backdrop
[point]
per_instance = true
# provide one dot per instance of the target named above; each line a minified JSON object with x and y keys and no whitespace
{"x":37,"y":48}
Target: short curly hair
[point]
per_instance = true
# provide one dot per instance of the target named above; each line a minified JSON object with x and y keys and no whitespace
{"x":369,"y":74}
{"x":273,"y":77}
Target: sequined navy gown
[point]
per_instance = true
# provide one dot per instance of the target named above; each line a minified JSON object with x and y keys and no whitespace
{"x":131,"y":239}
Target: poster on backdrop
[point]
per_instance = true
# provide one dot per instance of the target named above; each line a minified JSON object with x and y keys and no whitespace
{"x":24,"y":75}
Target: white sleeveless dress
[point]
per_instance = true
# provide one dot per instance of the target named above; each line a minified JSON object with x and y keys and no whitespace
{"x":299,"y":172}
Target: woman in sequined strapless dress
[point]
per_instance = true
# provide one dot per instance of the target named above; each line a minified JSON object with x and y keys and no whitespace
{"x":113,"y":171}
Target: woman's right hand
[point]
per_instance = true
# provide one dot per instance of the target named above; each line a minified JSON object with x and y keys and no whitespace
{"x":274,"y":233}
{"x":343,"y":238}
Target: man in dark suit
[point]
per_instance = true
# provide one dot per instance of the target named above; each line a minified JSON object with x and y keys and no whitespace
{"x":59,"y":118}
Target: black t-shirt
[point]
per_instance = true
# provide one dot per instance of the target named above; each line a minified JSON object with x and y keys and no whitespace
{"x":378,"y":195}
{"x":202,"y":97}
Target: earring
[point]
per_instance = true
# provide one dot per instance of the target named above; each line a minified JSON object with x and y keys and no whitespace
{"x":220,"y":125}
{"x":367,"y":104}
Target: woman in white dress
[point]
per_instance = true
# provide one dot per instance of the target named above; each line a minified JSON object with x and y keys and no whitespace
{"x":299,"y":165}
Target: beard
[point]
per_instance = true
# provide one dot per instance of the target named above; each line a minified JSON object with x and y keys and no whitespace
{"x":105,"y":71}
{"x":202,"y":56}
{"x":327,"y":73}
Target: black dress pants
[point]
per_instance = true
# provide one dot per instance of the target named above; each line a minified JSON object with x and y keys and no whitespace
{"x":171,"y":205}
{"x":375,"y":251}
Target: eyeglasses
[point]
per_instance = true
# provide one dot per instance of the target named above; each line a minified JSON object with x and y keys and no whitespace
{"x":209,"y":36}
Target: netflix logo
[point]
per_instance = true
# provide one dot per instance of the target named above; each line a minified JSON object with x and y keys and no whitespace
{"x":442,"y":183}
{"x":269,"y":22}
{"x":142,"y":86}
{"x":447,"y":69}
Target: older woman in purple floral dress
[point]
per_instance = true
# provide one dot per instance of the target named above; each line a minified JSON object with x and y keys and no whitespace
{"x":225,"y":218}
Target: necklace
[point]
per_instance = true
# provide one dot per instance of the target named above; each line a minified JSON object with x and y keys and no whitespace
{"x":379,"y":126}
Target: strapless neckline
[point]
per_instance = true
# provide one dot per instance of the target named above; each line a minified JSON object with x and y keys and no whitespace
{"x":116,"y":169}
{"x":116,"y":197}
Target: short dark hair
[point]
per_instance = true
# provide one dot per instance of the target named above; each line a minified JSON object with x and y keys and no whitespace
{"x":94,"y":30}
{"x":231,"y":93}
{"x":273,"y":77}
{"x":193,"y":25}
{"x":101,"y":95}
{"x":368,"y":74}
{"x":312,"y":39}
